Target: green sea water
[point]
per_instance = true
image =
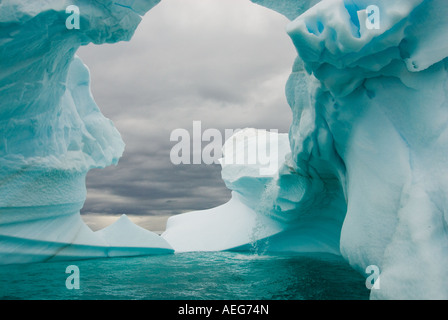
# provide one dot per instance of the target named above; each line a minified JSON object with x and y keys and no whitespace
{"x":192,"y":276}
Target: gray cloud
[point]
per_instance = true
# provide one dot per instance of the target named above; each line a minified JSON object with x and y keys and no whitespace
{"x":224,"y":63}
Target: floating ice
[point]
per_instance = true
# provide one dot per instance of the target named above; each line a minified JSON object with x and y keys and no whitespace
{"x":51,"y":131}
{"x":362,"y":172}
{"x":124,"y":238}
{"x":367,"y":174}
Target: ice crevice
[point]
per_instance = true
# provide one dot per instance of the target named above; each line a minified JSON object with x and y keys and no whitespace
{"x":362,"y":172}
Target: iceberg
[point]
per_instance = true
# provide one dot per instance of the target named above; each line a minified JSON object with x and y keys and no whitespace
{"x":379,"y":105}
{"x":52,"y":132}
{"x":362,"y":172}
{"x":366,"y":175}
{"x":124,"y":238}
{"x":263,"y":213}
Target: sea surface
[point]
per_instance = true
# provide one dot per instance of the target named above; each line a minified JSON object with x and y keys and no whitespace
{"x":192,"y":276}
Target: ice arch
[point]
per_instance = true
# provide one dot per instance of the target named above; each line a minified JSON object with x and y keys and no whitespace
{"x":53,"y":132}
{"x":364,"y":174}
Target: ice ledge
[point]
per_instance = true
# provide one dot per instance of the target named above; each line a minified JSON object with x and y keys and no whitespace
{"x":68,"y":238}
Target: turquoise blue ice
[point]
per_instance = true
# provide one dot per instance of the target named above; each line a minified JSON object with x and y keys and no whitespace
{"x":362,"y":173}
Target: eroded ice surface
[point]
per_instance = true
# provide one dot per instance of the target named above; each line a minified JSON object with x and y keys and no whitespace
{"x":51,"y":130}
{"x":369,"y":142}
{"x":362,"y":172}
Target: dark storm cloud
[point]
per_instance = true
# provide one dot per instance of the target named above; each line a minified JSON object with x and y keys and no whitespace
{"x":224,"y":63}
{"x":185,"y":188}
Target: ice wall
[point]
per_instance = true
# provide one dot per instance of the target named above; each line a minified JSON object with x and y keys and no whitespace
{"x":362,"y":172}
{"x":378,"y":103}
{"x":366,"y":174}
{"x":51,"y":131}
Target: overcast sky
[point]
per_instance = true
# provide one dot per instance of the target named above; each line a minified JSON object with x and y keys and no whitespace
{"x":222,"y":62}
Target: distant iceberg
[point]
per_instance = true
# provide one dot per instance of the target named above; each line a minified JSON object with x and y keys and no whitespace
{"x":124,"y":238}
{"x":362,"y":172}
{"x":262,"y":212}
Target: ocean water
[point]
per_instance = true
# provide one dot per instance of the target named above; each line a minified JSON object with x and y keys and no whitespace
{"x":192,"y":276}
